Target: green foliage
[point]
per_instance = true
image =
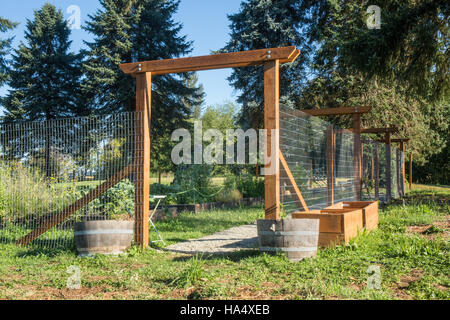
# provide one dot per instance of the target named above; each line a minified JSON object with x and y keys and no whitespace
{"x":5,"y":46}
{"x":170,"y":191}
{"x":192,"y":274}
{"x":195,"y":183}
{"x":117,"y":203}
{"x":400,"y":70}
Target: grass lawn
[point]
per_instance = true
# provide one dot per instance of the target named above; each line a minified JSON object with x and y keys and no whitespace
{"x":410,"y":247}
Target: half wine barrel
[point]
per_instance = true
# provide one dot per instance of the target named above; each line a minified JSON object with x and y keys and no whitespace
{"x":297,"y":238}
{"x":103,"y":236}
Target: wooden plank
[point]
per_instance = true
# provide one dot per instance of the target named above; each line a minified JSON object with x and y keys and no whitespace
{"x":293,"y":183}
{"x":142,"y":154}
{"x":329,"y":223}
{"x":272,"y":122}
{"x":357,"y":155}
{"x":337,"y":111}
{"x":214,"y":61}
{"x":77,"y":205}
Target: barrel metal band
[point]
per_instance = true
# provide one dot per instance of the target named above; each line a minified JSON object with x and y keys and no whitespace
{"x":303,"y":249}
{"x":288,"y":233}
{"x":105,"y":231}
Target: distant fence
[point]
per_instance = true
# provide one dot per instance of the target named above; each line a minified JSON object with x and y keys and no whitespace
{"x":50,"y":172}
{"x":321,"y":160}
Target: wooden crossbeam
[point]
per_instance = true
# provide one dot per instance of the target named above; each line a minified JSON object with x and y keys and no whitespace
{"x":74,"y":207}
{"x":292,"y":180}
{"x":380,"y":130}
{"x":337,"y":111}
{"x":400,"y":140}
{"x":214,"y":61}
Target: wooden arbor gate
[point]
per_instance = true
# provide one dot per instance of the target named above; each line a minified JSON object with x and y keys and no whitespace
{"x":143,"y":72}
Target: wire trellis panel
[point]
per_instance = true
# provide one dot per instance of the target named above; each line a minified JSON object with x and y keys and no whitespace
{"x":319,"y":153}
{"x":48,"y":168}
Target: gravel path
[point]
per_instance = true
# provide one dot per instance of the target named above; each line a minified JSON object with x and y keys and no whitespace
{"x":238,"y":238}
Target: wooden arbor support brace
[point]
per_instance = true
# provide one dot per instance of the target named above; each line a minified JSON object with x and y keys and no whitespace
{"x":291,"y":178}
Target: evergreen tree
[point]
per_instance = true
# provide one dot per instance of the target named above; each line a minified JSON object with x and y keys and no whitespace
{"x":139,"y":30}
{"x":264,"y":24}
{"x":5,"y":46}
{"x":44,"y":78}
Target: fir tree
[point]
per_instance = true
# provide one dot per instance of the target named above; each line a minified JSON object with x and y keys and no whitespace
{"x":5,"y":46}
{"x":264,"y":24}
{"x":44,"y":76}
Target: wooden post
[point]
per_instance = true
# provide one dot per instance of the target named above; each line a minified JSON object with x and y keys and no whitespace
{"x":330,"y":165}
{"x":377,"y":171}
{"x":142,"y":155}
{"x":410,"y":171}
{"x":388,"y":167}
{"x":357,"y":154}
{"x":272,"y":122}
{"x":397,"y":171}
{"x":403,"y":149}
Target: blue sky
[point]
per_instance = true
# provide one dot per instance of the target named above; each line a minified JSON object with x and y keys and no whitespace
{"x":204,"y":22}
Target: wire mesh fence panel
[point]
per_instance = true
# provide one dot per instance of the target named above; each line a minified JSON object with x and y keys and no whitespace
{"x":320,"y":156}
{"x":54,"y":173}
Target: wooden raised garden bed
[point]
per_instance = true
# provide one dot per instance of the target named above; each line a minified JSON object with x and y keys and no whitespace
{"x":341,"y":222}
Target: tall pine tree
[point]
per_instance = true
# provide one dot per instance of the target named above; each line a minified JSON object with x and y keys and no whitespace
{"x":45,"y":75}
{"x":131,"y":31}
{"x":266,"y":24}
{"x":5,"y":46}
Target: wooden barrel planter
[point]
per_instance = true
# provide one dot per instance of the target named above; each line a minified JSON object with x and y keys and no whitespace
{"x":297,"y":238}
{"x":103,"y":236}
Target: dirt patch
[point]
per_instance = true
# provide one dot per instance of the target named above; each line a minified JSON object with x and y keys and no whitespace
{"x":431,"y":231}
{"x":402,"y":286}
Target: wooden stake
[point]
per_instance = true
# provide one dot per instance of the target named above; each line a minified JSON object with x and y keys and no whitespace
{"x":271,"y":122}
{"x":142,"y":154}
